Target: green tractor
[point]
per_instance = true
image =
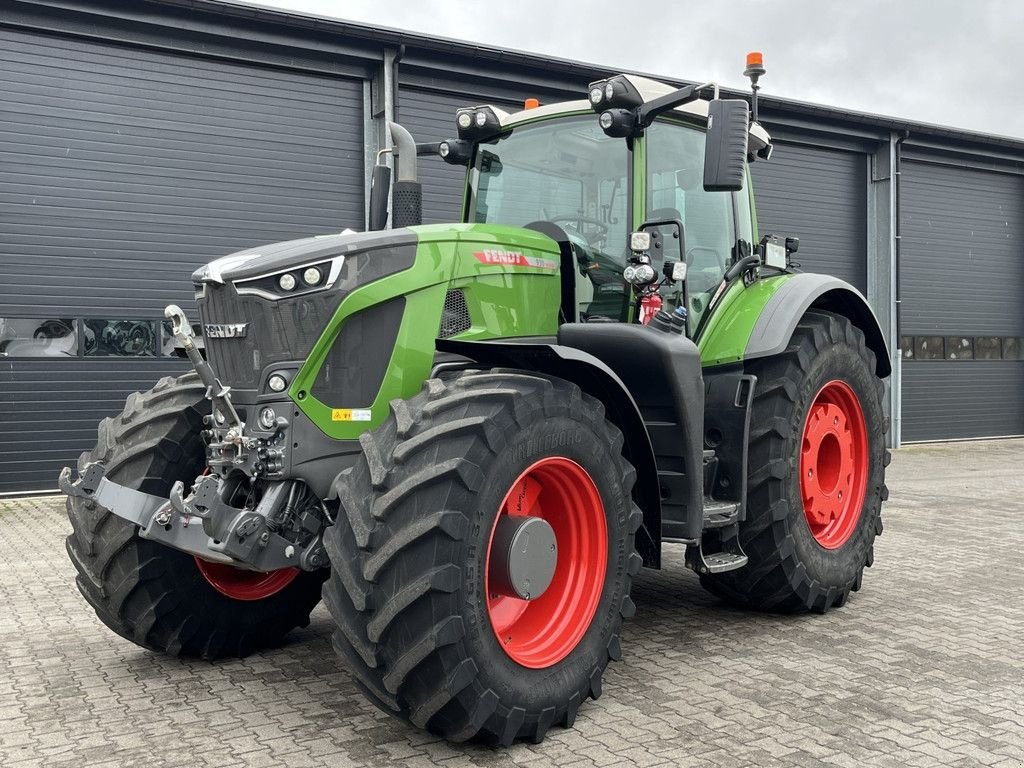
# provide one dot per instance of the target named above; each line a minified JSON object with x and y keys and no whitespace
{"x":468,"y":438}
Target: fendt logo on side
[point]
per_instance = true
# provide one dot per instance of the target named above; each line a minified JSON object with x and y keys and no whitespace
{"x":513,"y":259}
{"x":226,"y":330}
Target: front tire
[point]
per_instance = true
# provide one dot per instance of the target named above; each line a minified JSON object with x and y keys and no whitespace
{"x":425,"y":630}
{"x":155,"y":596}
{"x":816,"y":478}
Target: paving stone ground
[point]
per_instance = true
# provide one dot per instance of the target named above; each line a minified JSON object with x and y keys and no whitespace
{"x":924,"y":666}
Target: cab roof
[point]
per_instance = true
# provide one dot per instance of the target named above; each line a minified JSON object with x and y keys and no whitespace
{"x":648,"y":88}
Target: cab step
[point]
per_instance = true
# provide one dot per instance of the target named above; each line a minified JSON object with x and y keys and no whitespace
{"x":725,"y":555}
{"x":719,"y":514}
{"x":719,"y":562}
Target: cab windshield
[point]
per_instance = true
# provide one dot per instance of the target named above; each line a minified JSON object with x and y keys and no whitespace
{"x":567,"y":172}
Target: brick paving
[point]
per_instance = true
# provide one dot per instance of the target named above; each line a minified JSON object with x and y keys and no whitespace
{"x":924,"y":666}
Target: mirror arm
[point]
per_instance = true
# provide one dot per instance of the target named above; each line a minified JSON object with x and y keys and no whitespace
{"x":647,"y":112}
{"x":428,"y":148}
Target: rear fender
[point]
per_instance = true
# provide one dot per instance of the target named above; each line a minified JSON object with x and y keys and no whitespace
{"x":795,"y":297}
{"x":597,"y":379}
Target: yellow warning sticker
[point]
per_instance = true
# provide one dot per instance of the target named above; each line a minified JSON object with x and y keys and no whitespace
{"x":350,"y":414}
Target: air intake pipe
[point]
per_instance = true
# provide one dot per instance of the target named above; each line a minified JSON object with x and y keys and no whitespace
{"x":407,"y":195}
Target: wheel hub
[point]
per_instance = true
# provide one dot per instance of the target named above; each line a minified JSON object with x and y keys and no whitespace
{"x":833,"y":464}
{"x":523,"y":557}
{"x":546,"y":562}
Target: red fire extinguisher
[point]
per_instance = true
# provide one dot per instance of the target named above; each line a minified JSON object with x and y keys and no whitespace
{"x":649,"y":306}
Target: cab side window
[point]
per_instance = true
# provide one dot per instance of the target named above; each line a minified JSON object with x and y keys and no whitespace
{"x":675,"y":189}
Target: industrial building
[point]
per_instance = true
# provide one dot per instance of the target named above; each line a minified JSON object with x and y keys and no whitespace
{"x":139,"y":140}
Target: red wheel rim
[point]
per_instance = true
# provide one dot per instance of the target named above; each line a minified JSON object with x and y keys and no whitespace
{"x":240,"y":584}
{"x":539,"y":633}
{"x":834,"y":464}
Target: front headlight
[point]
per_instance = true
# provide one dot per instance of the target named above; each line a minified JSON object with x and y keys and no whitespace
{"x":283,"y":284}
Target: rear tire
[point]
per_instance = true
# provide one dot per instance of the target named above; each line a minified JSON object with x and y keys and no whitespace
{"x":800,"y":559}
{"x":150,"y":594}
{"x":411,"y":545}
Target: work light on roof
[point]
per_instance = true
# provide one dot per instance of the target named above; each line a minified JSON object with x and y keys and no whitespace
{"x":477,"y":123}
{"x":618,"y":123}
{"x":615,"y":92}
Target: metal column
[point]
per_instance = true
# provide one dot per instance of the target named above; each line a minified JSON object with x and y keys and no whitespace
{"x":881,"y":269}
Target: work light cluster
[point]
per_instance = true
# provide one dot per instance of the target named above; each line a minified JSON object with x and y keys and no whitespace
{"x":477,"y":122}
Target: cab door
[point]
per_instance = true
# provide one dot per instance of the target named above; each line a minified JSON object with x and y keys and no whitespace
{"x":712,"y":236}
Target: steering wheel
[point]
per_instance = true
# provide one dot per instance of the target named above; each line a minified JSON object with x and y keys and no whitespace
{"x":578,"y":221}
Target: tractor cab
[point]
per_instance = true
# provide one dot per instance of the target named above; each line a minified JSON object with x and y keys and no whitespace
{"x":663,"y":162}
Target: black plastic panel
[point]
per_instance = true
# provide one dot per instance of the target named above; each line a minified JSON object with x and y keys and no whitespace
{"x":354,"y":369}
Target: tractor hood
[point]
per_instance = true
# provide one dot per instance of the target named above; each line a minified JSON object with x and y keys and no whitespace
{"x":266,"y":307}
{"x":276,"y":258}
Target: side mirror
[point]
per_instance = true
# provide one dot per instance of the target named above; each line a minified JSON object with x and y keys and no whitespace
{"x":380,"y":187}
{"x":725,"y":149}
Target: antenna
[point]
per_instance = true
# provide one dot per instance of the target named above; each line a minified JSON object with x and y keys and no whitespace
{"x":754,"y":70}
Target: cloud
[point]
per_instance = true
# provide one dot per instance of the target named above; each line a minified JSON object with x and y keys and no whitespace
{"x":937,"y":61}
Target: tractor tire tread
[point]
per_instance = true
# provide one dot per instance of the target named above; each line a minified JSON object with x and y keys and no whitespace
{"x":378,"y":583}
{"x":774,"y":579}
{"x":145,"y":592}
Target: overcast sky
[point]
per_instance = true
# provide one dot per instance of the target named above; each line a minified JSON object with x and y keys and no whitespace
{"x":951,"y":62}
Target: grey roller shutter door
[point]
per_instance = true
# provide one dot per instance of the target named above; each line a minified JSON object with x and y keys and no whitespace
{"x":818,"y":194}
{"x":122,"y":169}
{"x":962,"y":271}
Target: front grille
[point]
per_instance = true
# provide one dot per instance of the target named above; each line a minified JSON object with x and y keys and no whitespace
{"x":277,"y":331}
{"x":455,"y":316}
